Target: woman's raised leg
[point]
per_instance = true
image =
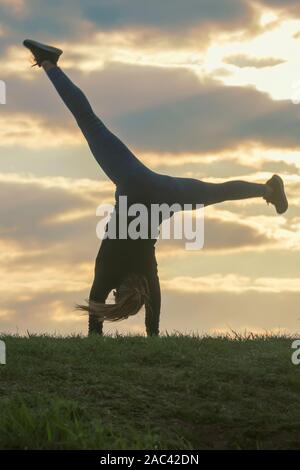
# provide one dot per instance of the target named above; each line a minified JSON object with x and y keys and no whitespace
{"x":116,"y":160}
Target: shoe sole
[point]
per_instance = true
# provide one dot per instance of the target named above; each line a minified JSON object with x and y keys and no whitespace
{"x":284,"y":206}
{"x":43,"y":47}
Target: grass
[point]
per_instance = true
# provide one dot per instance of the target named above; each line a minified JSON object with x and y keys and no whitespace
{"x":173,"y":392}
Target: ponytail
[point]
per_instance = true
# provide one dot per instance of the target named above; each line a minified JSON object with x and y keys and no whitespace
{"x":130,"y":296}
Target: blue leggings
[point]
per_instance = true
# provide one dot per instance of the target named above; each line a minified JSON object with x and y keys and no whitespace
{"x":128,"y":173}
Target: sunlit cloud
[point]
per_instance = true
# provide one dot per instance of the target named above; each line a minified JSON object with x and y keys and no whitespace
{"x":129,"y":45}
{"x":61,"y":314}
{"x":88,"y":189}
{"x":32,"y":132}
{"x":245,"y":61}
{"x":231,"y":283}
{"x":268,"y":17}
{"x":47,"y":279}
{"x":278,"y":45}
{"x":135,"y":46}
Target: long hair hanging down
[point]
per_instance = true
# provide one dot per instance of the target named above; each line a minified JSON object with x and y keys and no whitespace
{"x":130,"y":296}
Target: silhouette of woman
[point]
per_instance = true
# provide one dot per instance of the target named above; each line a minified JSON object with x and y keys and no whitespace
{"x":128,"y":265}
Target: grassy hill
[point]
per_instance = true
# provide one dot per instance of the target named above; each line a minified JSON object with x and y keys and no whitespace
{"x":173,"y":392}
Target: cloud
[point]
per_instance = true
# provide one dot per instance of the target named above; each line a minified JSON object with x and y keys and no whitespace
{"x":202,"y":311}
{"x":70,"y":162}
{"x":46,"y":311}
{"x":289,"y":7}
{"x":114,"y":91}
{"x":45,"y":122}
{"x":279,"y":167}
{"x":32,"y":132}
{"x":219,"y":235}
{"x":14,"y":7}
{"x":157,"y":22}
{"x":198,"y":123}
{"x":54,"y":220}
{"x":164,"y":111}
{"x":168,"y":15}
{"x":47,"y":235}
{"x":39,"y":18}
{"x":165,"y":14}
{"x":48,"y":263}
{"x":228,"y":234}
{"x":50,"y":222}
{"x":231,"y":283}
{"x":213,"y":312}
{"x":241,"y":61}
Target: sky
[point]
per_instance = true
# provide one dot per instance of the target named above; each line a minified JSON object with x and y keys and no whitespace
{"x":205,"y":89}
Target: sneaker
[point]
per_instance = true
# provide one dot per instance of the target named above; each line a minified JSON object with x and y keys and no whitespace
{"x":278,"y":197}
{"x":42,"y":52}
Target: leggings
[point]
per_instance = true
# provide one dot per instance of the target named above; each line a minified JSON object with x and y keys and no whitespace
{"x":128,"y":173}
{"x":133,"y":179}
